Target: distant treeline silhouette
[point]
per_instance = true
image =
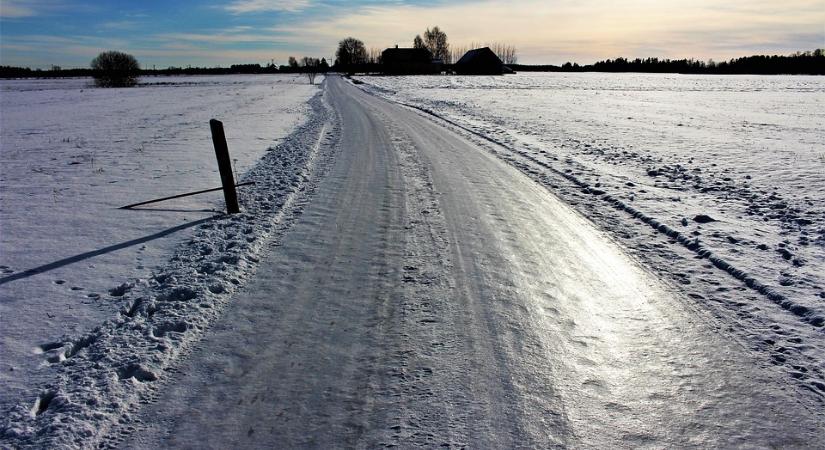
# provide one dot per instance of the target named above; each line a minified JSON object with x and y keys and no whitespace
{"x":58,"y":72}
{"x":800,"y":63}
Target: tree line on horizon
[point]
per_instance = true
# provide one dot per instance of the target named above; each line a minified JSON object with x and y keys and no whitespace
{"x":799,"y":63}
{"x":234,"y":69}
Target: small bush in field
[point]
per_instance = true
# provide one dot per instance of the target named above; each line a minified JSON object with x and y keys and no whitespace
{"x":115,"y":69}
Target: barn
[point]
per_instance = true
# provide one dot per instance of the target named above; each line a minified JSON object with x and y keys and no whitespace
{"x":409,"y":61}
{"x":480,"y":61}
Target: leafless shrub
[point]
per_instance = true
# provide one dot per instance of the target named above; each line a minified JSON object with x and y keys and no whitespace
{"x":115,"y":69}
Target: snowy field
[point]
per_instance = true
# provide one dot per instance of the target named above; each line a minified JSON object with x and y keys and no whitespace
{"x":72,"y":154}
{"x":716,"y":182}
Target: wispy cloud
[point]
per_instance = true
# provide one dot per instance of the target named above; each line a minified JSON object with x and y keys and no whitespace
{"x":13,"y":9}
{"x":543,"y":31}
{"x":216,"y":38}
{"x":121,"y":25}
{"x":249,"y":6}
{"x":26,"y":9}
{"x":585,"y":30}
{"x":38,"y":50}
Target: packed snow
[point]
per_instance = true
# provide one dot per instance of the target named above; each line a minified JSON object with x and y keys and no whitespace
{"x":452,"y":283}
{"x":430,"y":295}
{"x":717,"y":182}
{"x":74,"y":265}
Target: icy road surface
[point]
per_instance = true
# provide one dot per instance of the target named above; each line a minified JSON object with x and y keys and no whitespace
{"x":431,"y":294}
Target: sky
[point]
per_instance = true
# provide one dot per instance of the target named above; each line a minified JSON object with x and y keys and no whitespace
{"x":162,"y":33}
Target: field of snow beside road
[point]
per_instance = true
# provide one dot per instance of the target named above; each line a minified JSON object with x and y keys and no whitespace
{"x":72,"y":154}
{"x":423,"y":280}
{"x":716,"y":182}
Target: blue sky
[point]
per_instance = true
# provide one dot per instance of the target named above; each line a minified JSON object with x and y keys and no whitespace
{"x":69,"y":33}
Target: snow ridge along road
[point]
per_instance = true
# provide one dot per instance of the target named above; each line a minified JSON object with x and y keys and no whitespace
{"x":755,"y":263}
{"x":70,"y":155}
{"x":100,"y":378}
{"x":433,"y":295}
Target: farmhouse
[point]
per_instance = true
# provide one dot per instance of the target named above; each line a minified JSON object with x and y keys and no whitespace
{"x":480,"y":61}
{"x":409,"y":61}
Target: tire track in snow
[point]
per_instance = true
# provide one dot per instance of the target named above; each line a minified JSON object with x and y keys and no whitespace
{"x":805,"y":314}
{"x":420,"y":343}
{"x":363,"y":279}
{"x":550,"y":317}
{"x":785,"y":348}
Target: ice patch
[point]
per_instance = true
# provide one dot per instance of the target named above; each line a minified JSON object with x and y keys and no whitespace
{"x":721,"y":263}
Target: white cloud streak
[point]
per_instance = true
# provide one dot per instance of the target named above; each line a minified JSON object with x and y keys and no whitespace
{"x":250,"y":6}
{"x":21,"y":9}
{"x":14,"y":9}
{"x":217,"y":38}
{"x":544,"y":31}
{"x":547,"y":31}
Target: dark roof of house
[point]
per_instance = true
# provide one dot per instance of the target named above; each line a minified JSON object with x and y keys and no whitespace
{"x":396,"y":54}
{"x":479,"y":56}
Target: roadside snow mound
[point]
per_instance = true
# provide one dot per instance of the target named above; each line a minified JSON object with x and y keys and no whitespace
{"x":105,"y":373}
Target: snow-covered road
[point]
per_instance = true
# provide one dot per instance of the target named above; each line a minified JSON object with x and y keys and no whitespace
{"x":432,"y":294}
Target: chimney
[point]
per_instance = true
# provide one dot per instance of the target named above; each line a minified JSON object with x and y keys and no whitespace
{"x":396,"y":45}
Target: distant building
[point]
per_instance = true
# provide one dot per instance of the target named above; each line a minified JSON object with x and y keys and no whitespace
{"x":409,"y":61}
{"x":480,"y":61}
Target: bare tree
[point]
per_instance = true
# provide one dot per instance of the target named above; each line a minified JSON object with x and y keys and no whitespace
{"x":436,"y":42}
{"x":374,"y":55}
{"x":350,"y":52}
{"x":310,"y":67}
{"x":456,"y":52}
{"x":418,"y":42}
{"x":505,"y":52}
{"x":293,"y":63}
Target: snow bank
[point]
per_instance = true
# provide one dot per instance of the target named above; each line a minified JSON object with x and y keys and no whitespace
{"x":88,"y":380}
{"x":71,"y":155}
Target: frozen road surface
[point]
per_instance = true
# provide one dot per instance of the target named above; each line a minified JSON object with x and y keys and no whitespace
{"x":432,"y":295}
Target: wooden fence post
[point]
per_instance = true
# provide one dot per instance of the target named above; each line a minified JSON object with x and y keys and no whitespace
{"x":224,"y":166}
